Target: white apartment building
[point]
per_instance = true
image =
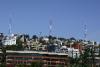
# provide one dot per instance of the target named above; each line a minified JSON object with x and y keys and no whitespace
{"x":10,"y":40}
{"x":73,"y":52}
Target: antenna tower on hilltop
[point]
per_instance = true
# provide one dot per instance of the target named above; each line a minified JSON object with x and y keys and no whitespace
{"x":85,"y":32}
{"x":10,"y":26}
{"x":50,"y":27}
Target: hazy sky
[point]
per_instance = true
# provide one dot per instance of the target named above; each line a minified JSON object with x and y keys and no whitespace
{"x":68,"y":17}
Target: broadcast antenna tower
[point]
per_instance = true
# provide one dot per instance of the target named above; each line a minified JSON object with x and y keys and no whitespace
{"x":50,"y":27}
{"x":85,"y":32}
{"x":10,"y":27}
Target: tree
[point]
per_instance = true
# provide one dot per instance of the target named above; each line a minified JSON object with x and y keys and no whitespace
{"x":83,"y":60}
{"x":34,"y":37}
{"x":85,"y":57}
{"x":72,"y":38}
{"x":36,"y":64}
{"x":10,"y":47}
{"x":50,"y":39}
{"x":22,"y":65}
{"x":2,"y":65}
{"x":59,"y":65}
{"x":74,"y":62}
{"x":19,"y":43}
{"x":51,"y":48}
{"x":3,"y":59}
{"x":27,"y":36}
{"x":92,"y":56}
{"x":99,"y":49}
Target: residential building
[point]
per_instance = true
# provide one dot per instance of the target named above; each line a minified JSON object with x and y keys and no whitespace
{"x":74,"y":53}
{"x":10,"y":40}
{"x":48,"y":59}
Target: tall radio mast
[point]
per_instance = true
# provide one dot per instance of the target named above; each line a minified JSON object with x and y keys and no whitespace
{"x":85,"y":32}
{"x":50,"y":27}
{"x":10,"y":26}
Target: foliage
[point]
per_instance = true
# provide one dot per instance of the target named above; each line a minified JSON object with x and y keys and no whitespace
{"x":3,"y":59}
{"x":72,"y":38}
{"x":83,"y":60}
{"x":10,"y":47}
{"x":2,"y":65}
{"x":21,"y":65}
{"x":34,"y":37}
{"x":59,"y":65}
{"x":51,"y":48}
{"x":36,"y":64}
{"x":99,"y":49}
{"x":14,"y":47}
{"x":19,"y":44}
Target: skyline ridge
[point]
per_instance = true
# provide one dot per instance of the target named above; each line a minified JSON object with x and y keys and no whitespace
{"x":68,"y":17}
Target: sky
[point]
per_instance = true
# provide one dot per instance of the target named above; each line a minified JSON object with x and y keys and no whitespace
{"x":68,"y":17}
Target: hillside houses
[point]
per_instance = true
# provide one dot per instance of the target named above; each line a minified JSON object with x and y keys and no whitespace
{"x":74,"y":48}
{"x":47,"y":43}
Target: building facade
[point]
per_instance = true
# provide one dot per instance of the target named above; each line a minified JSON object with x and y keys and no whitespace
{"x":48,"y":59}
{"x":10,"y":40}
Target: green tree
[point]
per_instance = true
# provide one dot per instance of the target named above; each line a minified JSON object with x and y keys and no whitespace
{"x":21,"y":65}
{"x":74,"y":62}
{"x":59,"y":65}
{"x":83,"y":60}
{"x":3,"y":59}
{"x":36,"y":64}
{"x":99,"y":49}
{"x":19,"y":43}
{"x":2,"y":65}
{"x":85,"y":57}
{"x":34,"y":37}
{"x":10,"y":47}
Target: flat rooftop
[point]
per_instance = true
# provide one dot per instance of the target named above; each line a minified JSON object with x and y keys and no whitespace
{"x":39,"y":52}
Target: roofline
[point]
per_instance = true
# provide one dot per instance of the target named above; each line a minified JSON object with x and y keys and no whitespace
{"x":39,"y":52}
